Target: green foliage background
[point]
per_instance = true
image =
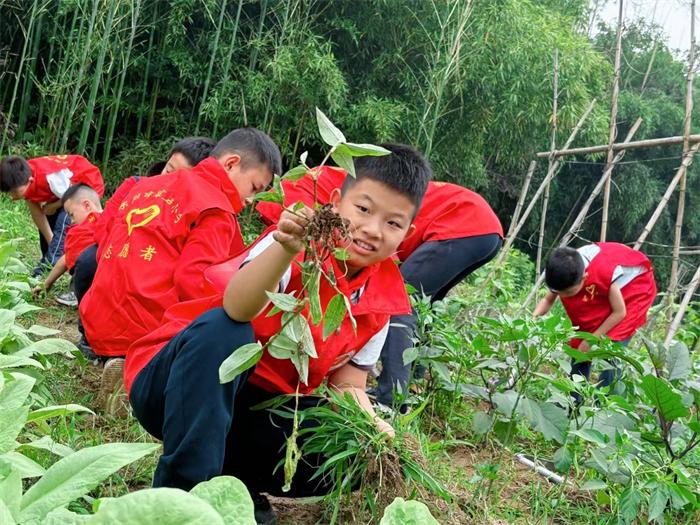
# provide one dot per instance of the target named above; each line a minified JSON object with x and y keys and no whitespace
{"x":470,"y":83}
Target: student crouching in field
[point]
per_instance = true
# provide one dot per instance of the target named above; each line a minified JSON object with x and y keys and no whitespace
{"x":208,"y":428}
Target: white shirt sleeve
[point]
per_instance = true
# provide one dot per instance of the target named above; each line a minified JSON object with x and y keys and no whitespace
{"x":368,"y":356}
{"x":260,"y":247}
{"x":623,"y":275}
{"x":587,"y":253}
{"x":59,"y":181}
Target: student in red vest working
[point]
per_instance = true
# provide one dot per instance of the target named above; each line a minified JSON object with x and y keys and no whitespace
{"x":83,"y":207}
{"x":456,"y":232}
{"x":172,"y":374}
{"x":606,"y":289}
{"x":41,"y":182}
{"x":166,"y":231}
{"x":186,"y":153}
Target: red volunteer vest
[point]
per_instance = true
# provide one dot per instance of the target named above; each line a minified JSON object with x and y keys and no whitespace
{"x":111,"y":208}
{"x":591,"y":306}
{"x":384,"y":295}
{"x":448,"y":211}
{"x":79,"y":237}
{"x":73,"y":167}
{"x":134,"y":283}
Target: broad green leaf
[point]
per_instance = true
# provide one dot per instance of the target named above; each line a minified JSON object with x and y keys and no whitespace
{"x":563,"y":459}
{"x":42,"y":331}
{"x":505,"y":402}
{"x":678,"y":361}
{"x":341,"y":156}
{"x":66,"y":517}
{"x":295,"y":173}
{"x":6,"y":517}
{"x":48,"y":347}
{"x":15,"y":391}
{"x":594,"y":484}
{"x":658,"y":501}
{"x":591,"y":435}
{"x":313,"y":289}
{"x":48,"y":444}
{"x":76,"y":475}
{"x":301,"y":363}
{"x":547,"y":418}
{"x":269,"y":196}
{"x":284,"y":301}
{"x":402,"y":512}
{"x":7,"y":319}
{"x":298,"y":330}
{"x":348,"y":309}
{"x":242,"y":358}
{"x":281,"y":347}
{"x":164,"y":506}
{"x":229,"y":497}
{"x":11,"y":424}
{"x":23,"y":308}
{"x":609,"y":422}
{"x":482,"y":422}
{"x":54,"y":411}
{"x":629,"y":504}
{"x":27,"y":468}
{"x":366,"y":150}
{"x":663,"y":398}
{"x":334,"y":315}
{"x":16,"y":361}
{"x":10,"y":488}
{"x":329,"y":133}
{"x":342,"y":254}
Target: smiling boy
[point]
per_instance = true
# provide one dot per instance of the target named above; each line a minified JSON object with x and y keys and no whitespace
{"x":172,"y":374}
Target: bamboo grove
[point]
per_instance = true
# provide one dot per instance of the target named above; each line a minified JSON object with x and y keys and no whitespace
{"x":468,"y":82}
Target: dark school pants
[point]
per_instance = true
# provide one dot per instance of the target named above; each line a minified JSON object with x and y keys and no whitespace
{"x":208,"y":429}
{"x":52,"y":252}
{"x":606,"y":378}
{"x":83,"y":274}
{"x":433,"y":269}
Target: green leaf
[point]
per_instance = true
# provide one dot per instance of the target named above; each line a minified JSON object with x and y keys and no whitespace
{"x":298,"y":330}
{"x":678,"y":361}
{"x":48,"y":444}
{"x":284,"y":301}
{"x":343,"y":159}
{"x":11,"y":424}
{"x":76,"y":475}
{"x":295,"y":173}
{"x":16,"y":361}
{"x":27,"y":468}
{"x":42,"y":331}
{"x":242,"y":358}
{"x":591,"y":435}
{"x":229,"y":497}
{"x":329,"y":133}
{"x":366,"y":150}
{"x":66,"y":517}
{"x":7,"y":319}
{"x":48,"y":347}
{"x":334,"y":315}
{"x":6,"y":517}
{"x":663,"y":398}
{"x":594,"y":484}
{"x":563,"y":459}
{"x":482,"y":423}
{"x":164,"y":506}
{"x":547,"y":418}
{"x":342,"y":254}
{"x":629,"y":504}
{"x":54,"y":411}
{"x":282,"y":347}
{"x":301,"y":363}
{"x":410,"y":512}
{"x":269,"y":196}
{"x":505,"y":402}
{"x":15,"y":391}
{"x":658,"y":501}
{"x":314,"y":287}
{"x":10,"y":488}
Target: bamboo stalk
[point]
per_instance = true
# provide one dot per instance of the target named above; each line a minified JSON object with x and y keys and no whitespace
{"x":578,"y":221}
{"x":227,"y":65}
{"x":552,"y":147}
{"x":673,"y":280}
{"x":212,"y":60}
{"x":254,"y":53}
{"x":29,"y":75}
{"x":687,"y":161}
{"x":638,"y":144}
{"x":521,"y":197}
{"x":676,"y":323}
{"x":612,"y":131}
{"x":149,"y":52}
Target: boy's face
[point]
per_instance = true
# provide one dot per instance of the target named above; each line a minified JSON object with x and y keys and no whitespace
{"x":380,"y":219}
{"x":79,"y":209}
{"x":572,"y":290}
{"x":249,"y":180}
{"x":18,"y":192}
{"x":177,"y":161}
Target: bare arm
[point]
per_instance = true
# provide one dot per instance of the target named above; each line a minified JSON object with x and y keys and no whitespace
{"x":353,"y":380}
{"x":58,"y":269}
{"x":619,"y":311}
{"x":245,"y":296}
{"x":545,"y":304}
{"x":40,"y":220}
{"x":51,"y":207}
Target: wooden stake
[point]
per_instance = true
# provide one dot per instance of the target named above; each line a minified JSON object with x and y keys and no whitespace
{"x":637,"y":144}
{"x":687,"y":161}
{"x":612,"y":132}
{"x":673,"y":281}
{"x":578,"y":221}
{"x":522,"y":196}
{"x":676,"y":323}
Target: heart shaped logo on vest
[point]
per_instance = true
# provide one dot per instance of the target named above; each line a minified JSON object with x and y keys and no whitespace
{"x":142,"y":215}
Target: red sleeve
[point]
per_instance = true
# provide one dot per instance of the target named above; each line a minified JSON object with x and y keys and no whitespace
{"x":38,"y":190}
{"x":215,"y":237}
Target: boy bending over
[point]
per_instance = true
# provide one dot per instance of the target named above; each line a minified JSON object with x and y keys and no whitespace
{"x":209,"y":428}
{"x":606,"y":289}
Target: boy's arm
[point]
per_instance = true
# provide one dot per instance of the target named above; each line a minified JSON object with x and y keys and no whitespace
{"x":545,"y":304}
{"x":40,"y":220}
{"x":349,"y":378}
{"x":51,"y":207}
{"x":245,"y":296}
{"x":619,"y":311}
{"x":58,"y":269}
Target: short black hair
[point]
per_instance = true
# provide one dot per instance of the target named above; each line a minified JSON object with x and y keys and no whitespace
{"x":254,"y":147}
{"x":14,"y":172}
{"x":405,"y":170}
{"x":564,"y":269}
{"x":155,"y":169}
{"x":80,"y":191}
{"x":195,"y":149}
